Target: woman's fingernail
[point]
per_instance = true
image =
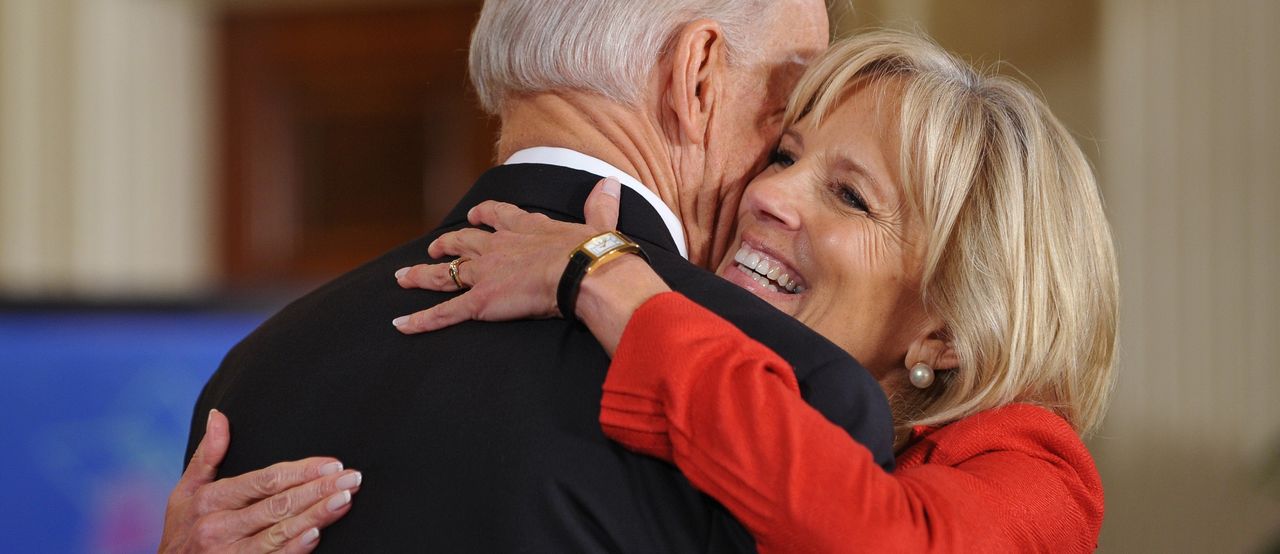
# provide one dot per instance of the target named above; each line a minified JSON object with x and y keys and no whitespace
{"x":400,"y":320}
{"x":349,"y":481}
{"x":612,"y":187}
{"x":400,"y":273}
{"x":337,"y":501}
{"x":310,"y":536}
{"x":330,"y":468}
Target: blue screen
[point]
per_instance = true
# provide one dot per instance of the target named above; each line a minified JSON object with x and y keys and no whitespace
{"x":95,"y":410}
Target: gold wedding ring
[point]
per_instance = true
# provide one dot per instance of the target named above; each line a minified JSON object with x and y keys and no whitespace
{"x":453,"y":272}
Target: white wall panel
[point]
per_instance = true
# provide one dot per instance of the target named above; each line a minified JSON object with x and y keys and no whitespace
{"x":103,"y":172}
{"x":1191,"y":140}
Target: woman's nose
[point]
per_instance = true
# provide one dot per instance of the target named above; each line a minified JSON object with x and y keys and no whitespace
{"x":774,"y":200}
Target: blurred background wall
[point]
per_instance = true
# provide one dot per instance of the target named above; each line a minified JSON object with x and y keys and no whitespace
{"x":104,"y":158}
{"x":188,"y":165}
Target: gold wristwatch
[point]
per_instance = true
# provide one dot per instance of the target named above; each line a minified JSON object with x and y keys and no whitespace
{"x":592,"y":253}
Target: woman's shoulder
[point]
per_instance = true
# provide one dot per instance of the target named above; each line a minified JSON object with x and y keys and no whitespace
{"x":1017,"y":427}
{"x":1032,"y":456}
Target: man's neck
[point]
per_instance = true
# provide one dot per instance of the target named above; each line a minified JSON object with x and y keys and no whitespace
{"x":595,"y":126}
{"x":618,"y":135}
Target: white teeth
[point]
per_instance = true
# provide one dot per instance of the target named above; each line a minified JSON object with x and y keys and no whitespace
{"x":763,"y":267}
{"x":769,"y":275}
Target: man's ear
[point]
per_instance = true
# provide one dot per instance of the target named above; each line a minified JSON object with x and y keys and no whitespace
{"x":698,"y":65}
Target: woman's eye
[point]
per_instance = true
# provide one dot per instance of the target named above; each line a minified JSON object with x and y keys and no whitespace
{"x":851,"y":198}
{"x":782,"y":158}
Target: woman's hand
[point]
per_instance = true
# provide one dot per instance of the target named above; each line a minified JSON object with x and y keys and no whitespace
{"x":278,"y":509}
{"x":513,"y":272}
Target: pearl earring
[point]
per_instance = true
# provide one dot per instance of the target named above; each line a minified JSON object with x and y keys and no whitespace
{"x":921,"y":376}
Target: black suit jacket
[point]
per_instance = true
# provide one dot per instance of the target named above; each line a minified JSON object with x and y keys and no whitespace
{"x":485,"y":437}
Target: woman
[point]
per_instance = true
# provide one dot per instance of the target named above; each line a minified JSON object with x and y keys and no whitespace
{"x":942,"y":227}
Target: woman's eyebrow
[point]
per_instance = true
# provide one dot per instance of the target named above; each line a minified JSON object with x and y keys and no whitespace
{"x":793,"y":135}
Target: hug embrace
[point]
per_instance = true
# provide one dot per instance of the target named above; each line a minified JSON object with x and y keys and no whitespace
{"x":732,"y":289}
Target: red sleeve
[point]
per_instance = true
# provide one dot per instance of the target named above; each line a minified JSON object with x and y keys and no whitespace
{"x":688,"y":387}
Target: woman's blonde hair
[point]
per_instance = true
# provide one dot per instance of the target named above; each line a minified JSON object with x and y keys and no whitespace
{"x":1019,"y":263}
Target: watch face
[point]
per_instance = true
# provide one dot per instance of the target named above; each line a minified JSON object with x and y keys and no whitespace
{"x":602,"y":244}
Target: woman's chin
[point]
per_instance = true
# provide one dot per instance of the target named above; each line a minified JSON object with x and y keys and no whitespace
{"x":787,"y":302}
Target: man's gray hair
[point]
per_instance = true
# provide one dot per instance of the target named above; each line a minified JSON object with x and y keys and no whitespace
{"x":602,"y":46}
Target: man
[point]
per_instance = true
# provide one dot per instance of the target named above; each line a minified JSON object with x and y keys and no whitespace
{"x":484,"y":437}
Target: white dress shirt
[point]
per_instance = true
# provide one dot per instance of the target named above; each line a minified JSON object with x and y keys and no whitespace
{"x":573,"y":159}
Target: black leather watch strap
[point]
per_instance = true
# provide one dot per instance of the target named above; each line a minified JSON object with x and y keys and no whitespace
{"x":570,"y":282}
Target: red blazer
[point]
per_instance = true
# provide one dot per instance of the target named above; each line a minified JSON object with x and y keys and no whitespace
{"x":688,"y":387}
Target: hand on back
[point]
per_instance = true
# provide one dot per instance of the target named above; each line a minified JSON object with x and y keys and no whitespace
{"x":277,"y":509}
{"x":510,"y":273}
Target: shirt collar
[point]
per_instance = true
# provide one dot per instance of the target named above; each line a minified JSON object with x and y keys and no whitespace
{"x":573,"y":159}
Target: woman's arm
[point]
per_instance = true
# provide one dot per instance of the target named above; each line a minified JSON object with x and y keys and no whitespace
{"x":727,"y":411}
{"x":688,"y":387}
{"x":609,"y":296}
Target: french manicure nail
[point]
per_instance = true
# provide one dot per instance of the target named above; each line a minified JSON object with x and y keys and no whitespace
{"x":400,"y":273}
{"x":310,"y":536}
{"x":400,"y":320}
{"x":612,"y":187}
{"x":337,"y":501}
{"x":349,"y":481}
{"x":330,"y":468}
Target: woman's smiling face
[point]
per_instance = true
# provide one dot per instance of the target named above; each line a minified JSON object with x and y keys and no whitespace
{"x":825,"y":233}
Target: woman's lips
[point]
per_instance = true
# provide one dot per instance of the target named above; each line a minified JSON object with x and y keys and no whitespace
{"x":767,"y":271}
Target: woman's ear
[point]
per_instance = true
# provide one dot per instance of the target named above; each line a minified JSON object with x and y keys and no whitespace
{"x":932,"y":348}
{"x":698,"y":64}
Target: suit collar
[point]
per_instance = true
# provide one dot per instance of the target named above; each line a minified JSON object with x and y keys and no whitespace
{"x":574,"y":159}
{"x":560,"y":192}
